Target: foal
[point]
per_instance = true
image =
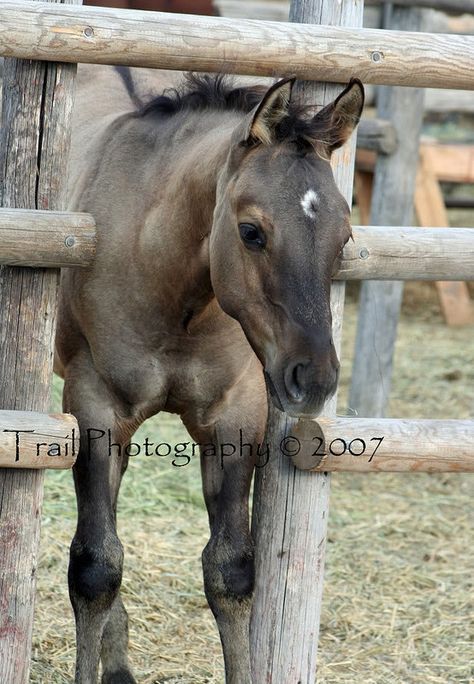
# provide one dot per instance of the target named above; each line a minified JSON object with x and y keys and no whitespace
{"x":219,"y":226}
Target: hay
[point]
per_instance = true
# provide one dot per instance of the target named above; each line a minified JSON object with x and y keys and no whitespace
{"x":398,"y":602}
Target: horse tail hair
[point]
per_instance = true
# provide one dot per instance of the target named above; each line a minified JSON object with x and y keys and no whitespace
{"x":127,"y":79}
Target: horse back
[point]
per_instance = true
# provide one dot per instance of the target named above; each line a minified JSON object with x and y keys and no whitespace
{"x":101,"y":98}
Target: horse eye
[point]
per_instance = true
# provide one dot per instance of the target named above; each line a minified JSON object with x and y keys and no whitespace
{"x":342,"y":247}
{"x":252,"y":236}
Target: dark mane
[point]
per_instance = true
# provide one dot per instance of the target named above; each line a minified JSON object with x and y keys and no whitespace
{"x":199,"y":92}
{"x":205,"y":91}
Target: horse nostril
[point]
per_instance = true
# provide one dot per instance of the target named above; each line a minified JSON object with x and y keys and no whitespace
{"x":294,"y":381}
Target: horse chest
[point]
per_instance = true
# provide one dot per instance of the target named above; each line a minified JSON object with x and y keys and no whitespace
{"x":178,"y":373}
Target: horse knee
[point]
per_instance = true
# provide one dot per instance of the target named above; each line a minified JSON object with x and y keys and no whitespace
{"x":95,"y":571}
{"x":229,"y":573}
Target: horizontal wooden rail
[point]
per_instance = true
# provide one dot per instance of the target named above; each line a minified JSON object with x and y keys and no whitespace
{"x":60,"y":239}
{"x":37,"y":440}
{"x":49,"y":239}
{"x":406,"y":253}
{"x":377,"y":135}
{"x":381,"y":445}
{"x":66,"y":33}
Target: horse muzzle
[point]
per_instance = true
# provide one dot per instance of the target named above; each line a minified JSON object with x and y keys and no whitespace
{"x":301,"y":387}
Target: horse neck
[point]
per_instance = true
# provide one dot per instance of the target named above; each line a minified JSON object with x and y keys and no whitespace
{"x":185,"y":211}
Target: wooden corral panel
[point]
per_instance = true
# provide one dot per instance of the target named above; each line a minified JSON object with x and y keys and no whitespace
{"x":30,"y":30}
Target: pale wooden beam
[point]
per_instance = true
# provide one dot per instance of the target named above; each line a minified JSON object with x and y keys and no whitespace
{"x":408,"y":253}
{"x":393,"y":445}
{"x":38,"y":440}
{"x":37,"y":30}
{"x":46,"y":238}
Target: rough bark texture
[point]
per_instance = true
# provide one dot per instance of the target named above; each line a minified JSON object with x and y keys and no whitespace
{"x":291,"y":507}
{"x":179,"y":41}
{"x":34,"y":143}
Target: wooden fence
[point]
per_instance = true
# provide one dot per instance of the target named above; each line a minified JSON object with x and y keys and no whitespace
{"x":37,"y":30}
{"x":291,"y":505}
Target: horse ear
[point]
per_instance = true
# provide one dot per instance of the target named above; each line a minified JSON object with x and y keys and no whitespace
{"x":338,"y":119}
{"x":270,"y":112}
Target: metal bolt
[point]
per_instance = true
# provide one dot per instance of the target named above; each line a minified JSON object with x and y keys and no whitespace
{"x":364,"y":253}
{"x":88,"y":32}
{"x":70,"y":241}
{"x":377,"y":56}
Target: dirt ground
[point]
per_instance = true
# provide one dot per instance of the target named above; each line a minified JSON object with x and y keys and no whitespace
{"x":398,"y":601}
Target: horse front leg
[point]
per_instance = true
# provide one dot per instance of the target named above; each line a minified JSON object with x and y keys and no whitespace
{"x":228,"y":558}
{"x":96,"y":554}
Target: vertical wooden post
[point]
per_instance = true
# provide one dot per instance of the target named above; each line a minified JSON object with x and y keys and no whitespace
{"x":392,"y":205}
{"x":34,"y":146}
{"x":290,"y":513}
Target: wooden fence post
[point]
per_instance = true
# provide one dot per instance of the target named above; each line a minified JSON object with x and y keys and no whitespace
{"x":290,"y":511}
{"x":34,"y":146}
{"x":392,"y":204}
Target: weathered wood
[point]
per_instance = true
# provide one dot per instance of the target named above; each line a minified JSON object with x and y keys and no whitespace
{"x":392,"y":204}
{"x":290,"y":511}
{"x":46,"y":238}
{"x":377,"y":135}
{"x":384,"y":445}
{"x":178,"y":41}
{"x":407,"y":253}
{"x":34,"y":143}
{"x":38,"y":440}
{"x":454,"y":297}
